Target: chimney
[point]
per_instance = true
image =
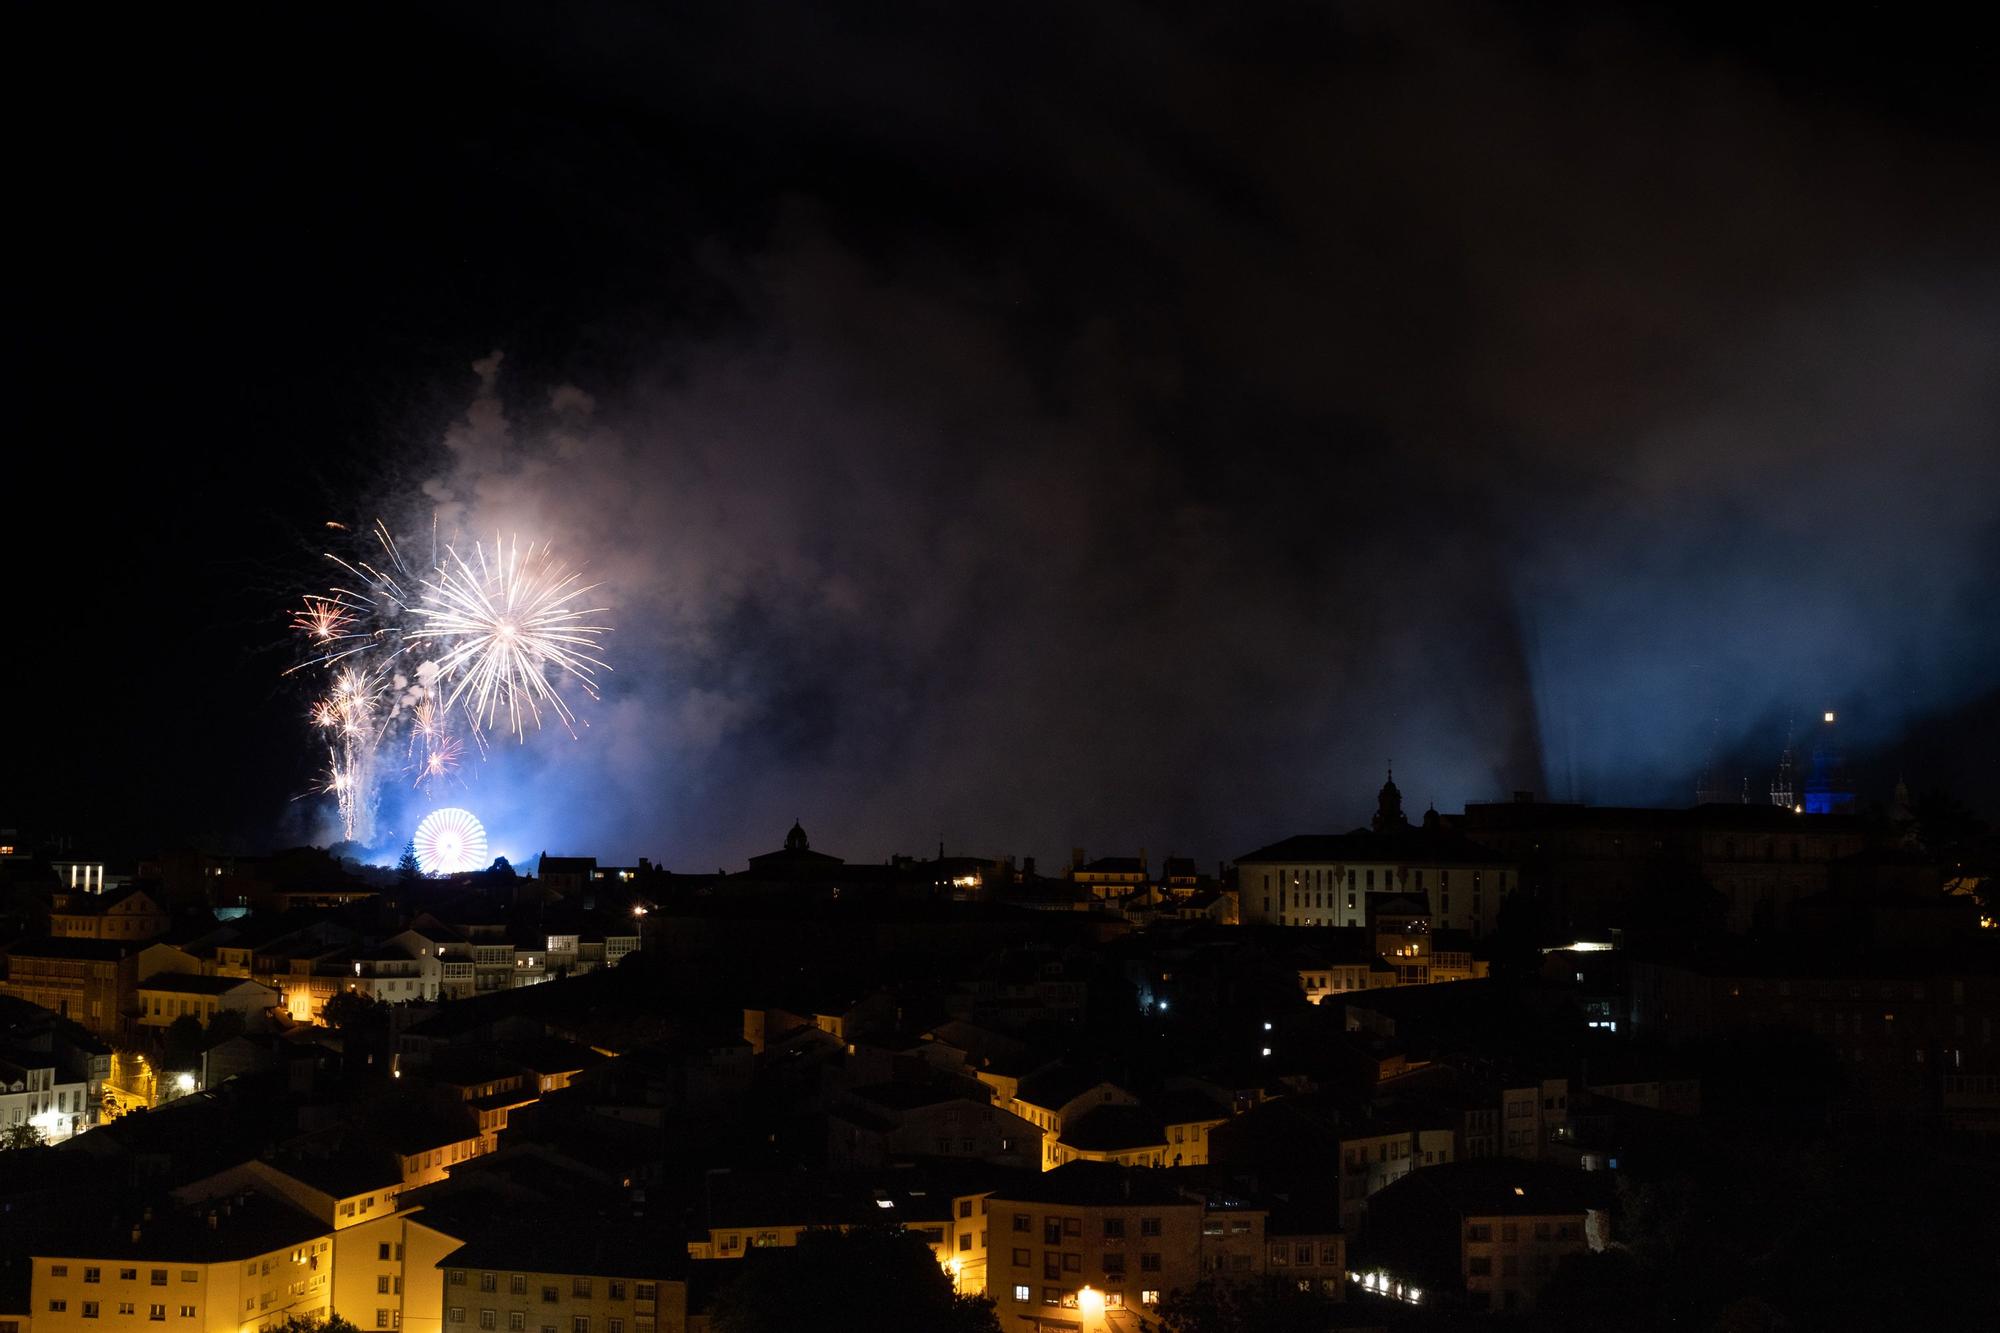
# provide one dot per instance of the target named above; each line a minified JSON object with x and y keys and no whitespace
{"x":1076,"y":858}
{"x":1142,"y":858}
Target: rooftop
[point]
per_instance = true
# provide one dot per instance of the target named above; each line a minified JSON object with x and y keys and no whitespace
{"x":1088,"y":1184}
{"x":576,"y":1243}
{"x":191,"y":983}
{"x":1114,"y":1128}
{"x":244,"y":1226}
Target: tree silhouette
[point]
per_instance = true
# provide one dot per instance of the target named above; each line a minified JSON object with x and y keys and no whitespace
{"x":1270,"y":1305}
{"x":181,"y":1044}
{"x":21,"y":1136}
{"x":867,"y":1278}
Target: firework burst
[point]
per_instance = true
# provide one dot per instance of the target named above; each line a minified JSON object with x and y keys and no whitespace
{"x":429,"y":662}
{"x":323,"y":619}
{"x":503,"y":625}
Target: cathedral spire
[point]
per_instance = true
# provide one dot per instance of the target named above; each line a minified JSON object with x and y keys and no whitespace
{"x":1389,"y":816}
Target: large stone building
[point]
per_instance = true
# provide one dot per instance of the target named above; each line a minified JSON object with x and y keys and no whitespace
{"x":242,"y":1252}
{"x":1336,"y":879}
{"x":127,"y":914}
{"x":1593,"y":867}
{"x":92,"y":982}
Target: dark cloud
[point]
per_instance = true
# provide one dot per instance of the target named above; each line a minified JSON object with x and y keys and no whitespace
{"x":1121,"y":426}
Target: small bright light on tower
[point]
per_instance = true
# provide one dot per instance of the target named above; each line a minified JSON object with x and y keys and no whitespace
{"x":1829,"y":715}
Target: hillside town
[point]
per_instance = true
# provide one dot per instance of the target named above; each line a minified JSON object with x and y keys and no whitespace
{"x":1491,"y":1064}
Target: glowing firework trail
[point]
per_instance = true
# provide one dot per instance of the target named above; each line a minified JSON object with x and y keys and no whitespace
{"x":503,"y":625}
{"x":437,"y":751}
{"x":331,"y":619}
{"x":342,"y":782}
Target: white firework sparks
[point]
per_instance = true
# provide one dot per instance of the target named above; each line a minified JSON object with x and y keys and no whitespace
{"x":505,"y":624}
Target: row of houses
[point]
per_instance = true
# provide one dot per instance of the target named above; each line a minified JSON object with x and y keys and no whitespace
{"x":117,"y":964}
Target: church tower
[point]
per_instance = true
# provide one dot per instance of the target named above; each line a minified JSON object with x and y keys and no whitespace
{"x":1784,"y":793}
{"x":1389,"y":817}
{"x":1829,"y":791}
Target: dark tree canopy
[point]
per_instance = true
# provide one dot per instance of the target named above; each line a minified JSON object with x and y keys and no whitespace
{"x":865,"y":1279}
{"x":333,"y":1323}
{"x":1272,"y":1305}
{"x":21,"y":1136}
{"x":351,"y":1011}
{"x":181,"y":1044}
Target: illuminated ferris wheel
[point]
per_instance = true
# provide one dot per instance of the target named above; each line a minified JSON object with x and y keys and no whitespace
{"x":451,"y":841}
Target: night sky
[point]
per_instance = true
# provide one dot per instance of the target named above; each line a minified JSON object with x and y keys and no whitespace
{"x":1018,"y":427}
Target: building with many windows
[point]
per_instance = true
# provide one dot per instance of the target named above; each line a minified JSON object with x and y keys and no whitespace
{"x":128,"y":914}
{"x":171,"y":995}
{"x":247,"y":1263}
{"x":584,"y":1278}
{"x":1336,"y":879}
{"x":36,"y":1089}
{"x":1131,"y":1235}
{"x":88,"y":981}
{"x":1483,"y":1235}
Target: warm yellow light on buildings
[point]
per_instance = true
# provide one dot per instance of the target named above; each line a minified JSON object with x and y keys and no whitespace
{"x":1090,"y":1301}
